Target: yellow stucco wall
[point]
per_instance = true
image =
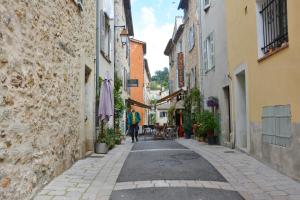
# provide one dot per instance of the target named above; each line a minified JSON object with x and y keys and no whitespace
{"x":274,"y":81}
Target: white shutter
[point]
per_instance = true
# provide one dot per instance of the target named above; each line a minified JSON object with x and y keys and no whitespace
{"x":102,"y":31}
{"x":205,"y":61}
{"x":191,"y":38}
{"x":212,"y":50}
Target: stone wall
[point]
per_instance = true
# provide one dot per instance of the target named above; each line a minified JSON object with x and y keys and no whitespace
{"x":121,"y":56}
{"x":44,"y":47}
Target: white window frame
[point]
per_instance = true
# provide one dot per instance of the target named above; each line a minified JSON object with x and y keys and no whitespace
{"x":191,"y":37}
{"x":179,"y":47}
{"x":209,"y":52}
{"x":206,"y":5}
{"x":106,"y":36}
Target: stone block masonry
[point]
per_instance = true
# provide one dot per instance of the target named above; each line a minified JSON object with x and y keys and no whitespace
{"x":44,"y":47}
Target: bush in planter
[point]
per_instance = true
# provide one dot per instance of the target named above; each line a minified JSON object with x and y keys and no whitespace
{"x":118,"y":137}
{"x":110,"y":138}
{"x":207,"y":124}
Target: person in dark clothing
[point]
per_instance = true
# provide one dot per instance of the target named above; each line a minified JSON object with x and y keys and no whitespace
{"x":134,"y":119}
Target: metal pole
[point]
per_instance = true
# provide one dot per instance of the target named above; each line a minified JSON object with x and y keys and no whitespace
{"x":97,"y":60}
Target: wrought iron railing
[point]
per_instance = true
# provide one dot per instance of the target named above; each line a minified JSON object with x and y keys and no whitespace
{"x":275,"y":25}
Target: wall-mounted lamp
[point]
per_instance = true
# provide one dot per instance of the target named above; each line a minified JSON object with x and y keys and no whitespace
{"x":124,"y":34}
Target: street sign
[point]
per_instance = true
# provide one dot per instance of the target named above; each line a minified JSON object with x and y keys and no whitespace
{"x":133,"y":83}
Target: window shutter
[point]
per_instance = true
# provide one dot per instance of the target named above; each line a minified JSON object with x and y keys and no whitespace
{"x":102,"y":30}
{"x":191,"y":38}
{"x":276,"y":125}
{"x":212,"y":50}
{"x":109,"y":46}
{"x":205,"y":63}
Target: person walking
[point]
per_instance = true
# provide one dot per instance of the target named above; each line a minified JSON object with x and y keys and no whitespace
{"x":134,"y":119}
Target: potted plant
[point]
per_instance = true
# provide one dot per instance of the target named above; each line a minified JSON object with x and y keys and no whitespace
{"x":187,"y":125}
{"x":101,"y":146}
{"x":110,"y":138}
{"x":207,"y":125}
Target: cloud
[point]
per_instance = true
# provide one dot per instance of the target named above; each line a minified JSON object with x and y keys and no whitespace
{"x":156,"y":36}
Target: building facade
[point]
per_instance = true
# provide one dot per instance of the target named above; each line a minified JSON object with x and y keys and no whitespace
{"x":175,"y":51}
{"x":214,"y":69}
{"x":137,"y":75}
{"x":123,"y":21}
{"x":263,"y":47}
{"x":47,"y":92}
{"x":191,"y":49}
{"x":146,"y":90}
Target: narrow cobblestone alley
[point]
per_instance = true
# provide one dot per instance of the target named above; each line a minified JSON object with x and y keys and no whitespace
{"x":170,"y":170}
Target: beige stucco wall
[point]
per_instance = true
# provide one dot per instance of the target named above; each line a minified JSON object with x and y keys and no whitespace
{"x":274,"y":81}
{"x":44,"y":47}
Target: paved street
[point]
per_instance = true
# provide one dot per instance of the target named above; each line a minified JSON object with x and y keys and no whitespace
{"x":171,"y":170}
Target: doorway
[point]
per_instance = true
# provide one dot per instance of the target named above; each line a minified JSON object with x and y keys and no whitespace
{"x":241,"y":111}
{"x":227,"y":112}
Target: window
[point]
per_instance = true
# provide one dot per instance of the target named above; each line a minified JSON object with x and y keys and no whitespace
{"x":105,"y":36}
{"x":276,"y":125}
{"x":209,"y":52}
{"x":272,"y":24}
{"x":133,"y":83}
{"x":162,"y":114}
{"x":206,"y":4}
{"x":191,"y":38}
{"x":179,"y":47}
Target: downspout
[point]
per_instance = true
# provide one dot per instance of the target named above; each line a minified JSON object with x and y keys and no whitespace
{"x":97,"y":61}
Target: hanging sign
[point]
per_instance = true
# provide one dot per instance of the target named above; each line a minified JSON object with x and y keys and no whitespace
{"x":133,"y":83}
{"x":180,"y":63}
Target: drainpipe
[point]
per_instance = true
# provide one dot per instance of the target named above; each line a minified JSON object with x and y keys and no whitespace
{"x":97,"y":60}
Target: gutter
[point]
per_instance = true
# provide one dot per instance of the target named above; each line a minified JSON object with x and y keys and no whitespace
{"x":97,"y":61}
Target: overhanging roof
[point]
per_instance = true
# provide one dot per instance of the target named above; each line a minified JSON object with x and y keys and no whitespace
{"x":138,"y":104}
{"x":169,"y":47}
{"x":140,"y":42}
{"x":147,"y":69}
{"x":183,"y":4}
{"x":128,"y":15}
{"x":169,"y":97}
{"x":178,"y":33}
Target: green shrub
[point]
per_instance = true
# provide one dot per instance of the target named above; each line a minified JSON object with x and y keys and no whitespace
{"x":206,"y":121}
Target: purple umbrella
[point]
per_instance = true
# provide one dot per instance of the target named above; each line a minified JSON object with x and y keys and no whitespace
{"x":106,"y":104}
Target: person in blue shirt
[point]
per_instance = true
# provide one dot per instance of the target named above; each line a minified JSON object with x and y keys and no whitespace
{"x":134,"y":119}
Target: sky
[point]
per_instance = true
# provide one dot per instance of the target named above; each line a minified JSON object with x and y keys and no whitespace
{"x":153,"y":22}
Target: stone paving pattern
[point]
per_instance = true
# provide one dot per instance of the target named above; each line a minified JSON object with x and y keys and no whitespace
{"x":94,"y":178}
{"x":89,"y":179}
{"x":254,"y":180}
{"x":176,"y":194}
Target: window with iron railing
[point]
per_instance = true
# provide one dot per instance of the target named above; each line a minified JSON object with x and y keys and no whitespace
{"x":274,"y":24}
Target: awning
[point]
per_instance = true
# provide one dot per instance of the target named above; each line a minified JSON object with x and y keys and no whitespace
{"x":169,"y":97}
{"x":138,"y":104}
